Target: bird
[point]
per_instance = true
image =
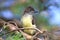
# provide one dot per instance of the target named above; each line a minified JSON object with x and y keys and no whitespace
{"x":28,"y":20}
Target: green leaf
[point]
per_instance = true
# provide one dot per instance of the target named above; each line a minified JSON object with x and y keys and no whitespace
{"x":14,"y":36}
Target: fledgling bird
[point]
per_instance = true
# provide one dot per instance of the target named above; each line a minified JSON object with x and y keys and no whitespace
{"x":28,"y":20}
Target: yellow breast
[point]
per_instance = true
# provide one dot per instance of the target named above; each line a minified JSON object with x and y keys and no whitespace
{"x":27,"y":21}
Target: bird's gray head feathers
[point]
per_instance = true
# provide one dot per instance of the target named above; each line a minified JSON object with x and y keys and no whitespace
{"x":30,"y":10}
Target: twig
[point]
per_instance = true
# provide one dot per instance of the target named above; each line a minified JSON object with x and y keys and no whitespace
{"x":28,"y":37}
{"x":36,"y":34}
{"x":26,"y":29}
{"x":31,"y":29}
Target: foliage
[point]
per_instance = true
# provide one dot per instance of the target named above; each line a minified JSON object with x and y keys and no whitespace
{"x":13,"y":36}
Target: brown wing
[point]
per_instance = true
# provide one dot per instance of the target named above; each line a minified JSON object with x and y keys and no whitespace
{"x":33,"y":21}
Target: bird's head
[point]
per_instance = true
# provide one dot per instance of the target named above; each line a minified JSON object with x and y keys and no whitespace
{"x":30,"y":10}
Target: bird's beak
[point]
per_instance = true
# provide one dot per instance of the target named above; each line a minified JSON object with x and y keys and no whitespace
{"x":36,"y":12}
